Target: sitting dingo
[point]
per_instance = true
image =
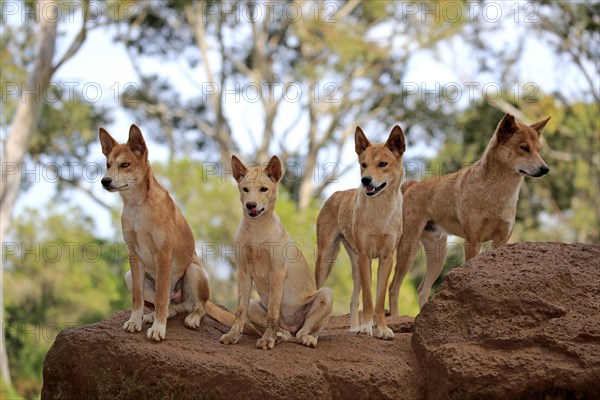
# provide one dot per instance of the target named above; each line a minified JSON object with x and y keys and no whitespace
{"x":478,"y":203}
{"x":288,"y":298}
{"x":165,"y":270}
{"x":368,"y":221}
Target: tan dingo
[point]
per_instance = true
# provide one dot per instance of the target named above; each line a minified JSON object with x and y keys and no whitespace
{"x":368,"y":221}
{"x":478,"y":203}
{"x":288,"y":298}
{"x":165,"y":270}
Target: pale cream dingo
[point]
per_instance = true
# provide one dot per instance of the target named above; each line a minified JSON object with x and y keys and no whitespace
{"x":289,"y":308}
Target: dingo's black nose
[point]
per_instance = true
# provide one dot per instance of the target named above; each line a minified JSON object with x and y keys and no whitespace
{"x":106,"y":181}
{"x":366,"y":180}
{"x":251,"y":205}
{"x":544,"y":170}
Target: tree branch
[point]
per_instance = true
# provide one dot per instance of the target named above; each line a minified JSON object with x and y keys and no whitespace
{"x":78,"y":41}
{"x":78,"y":185}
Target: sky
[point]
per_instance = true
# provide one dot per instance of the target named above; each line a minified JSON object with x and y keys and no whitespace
{"x":102,"y":64}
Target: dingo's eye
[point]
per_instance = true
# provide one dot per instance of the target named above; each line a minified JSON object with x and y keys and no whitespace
{"x":245,"y":189}
{"x":125,"y":165}
{"x":107,"y":166}
{"x":263,"y":189}
{"x":525,"y":148}
{"x":383,"y":164}
{"x":363,"y":165}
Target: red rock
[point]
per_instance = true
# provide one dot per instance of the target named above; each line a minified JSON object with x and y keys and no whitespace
{"x":101,"y":361}
{"x":518,"y":322}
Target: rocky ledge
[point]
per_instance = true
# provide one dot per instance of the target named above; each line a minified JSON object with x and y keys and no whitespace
{"x":518,"y":322}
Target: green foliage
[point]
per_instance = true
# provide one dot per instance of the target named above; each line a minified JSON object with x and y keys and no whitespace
{"x":57,"y":275}
{"x":67,"y":128}
{"x":7,"y":391}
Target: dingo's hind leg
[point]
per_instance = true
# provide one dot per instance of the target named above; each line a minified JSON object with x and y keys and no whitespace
{"x":195,"y":295}
{"x":317,"y":317}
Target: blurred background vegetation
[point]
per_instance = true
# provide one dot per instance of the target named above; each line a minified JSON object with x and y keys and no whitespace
{"x":61,"y":270}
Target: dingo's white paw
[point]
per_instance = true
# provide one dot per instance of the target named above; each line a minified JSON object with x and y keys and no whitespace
{"x":385,"y":334}
{"x":231,"y":337}
{"x":193,"y":320}
{"x":149,"y":318}
{"x":285,"y":336}
{"x":134,"y":323}
{"x":157,"y":331}
{"x":266,"y":342}
{"x":366,"y":329}
{"x":309,"y":341}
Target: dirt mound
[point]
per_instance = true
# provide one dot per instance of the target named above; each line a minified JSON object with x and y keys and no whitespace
{"x":522,"y":321}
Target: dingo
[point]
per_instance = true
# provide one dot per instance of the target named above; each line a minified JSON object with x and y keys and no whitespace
{"x":288,"y":298}
{"x":478,"y":203}
{"x":368,"y":221}
{"x":165,"y":270}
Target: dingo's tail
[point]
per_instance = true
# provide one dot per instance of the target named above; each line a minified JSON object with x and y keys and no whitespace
{"x":223,"y":316}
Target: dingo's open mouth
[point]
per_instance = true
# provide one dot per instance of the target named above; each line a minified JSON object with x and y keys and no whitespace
{"x":372,"y":190}
{"x":255,"y":213}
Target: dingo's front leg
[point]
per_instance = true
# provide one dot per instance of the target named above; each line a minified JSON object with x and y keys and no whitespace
{"x":364,"y":269}
{"x":356,"y":282}
{"x":244,"y":288}
{"x":158,"y":330}
{"x":382,"y":331}
{"x":134,"y":324}
{"x":267,"y":341}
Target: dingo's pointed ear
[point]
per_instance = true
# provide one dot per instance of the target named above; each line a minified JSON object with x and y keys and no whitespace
{"x":539,"y":126}
{"x":136,"y":141}
{"x":360,"y":141}
{"x":274,"y":170}
{"x":239,"y":169}
{"x":106,"y":141}
{"x":396,"y":142}
{"x":506,"y":128}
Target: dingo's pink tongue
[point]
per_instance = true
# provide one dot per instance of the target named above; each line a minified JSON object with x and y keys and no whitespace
{"x":369,"y":189}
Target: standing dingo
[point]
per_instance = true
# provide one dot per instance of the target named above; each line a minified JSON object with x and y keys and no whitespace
{"x":368,"y":221}
{"x":478,"y":203}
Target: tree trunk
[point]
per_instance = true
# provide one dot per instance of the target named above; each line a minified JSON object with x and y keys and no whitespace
{"x":307,"y":183}
{"x":24,"y":122}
